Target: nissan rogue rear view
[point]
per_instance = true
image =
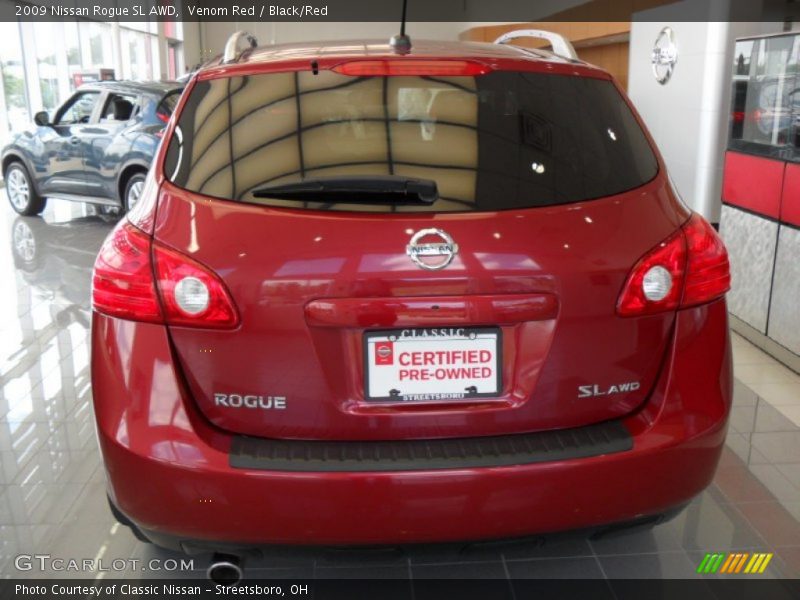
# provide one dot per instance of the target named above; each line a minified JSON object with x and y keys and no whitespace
{"x":382,"y":297}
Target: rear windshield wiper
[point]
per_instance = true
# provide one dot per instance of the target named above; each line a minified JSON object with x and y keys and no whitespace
{"x":390,"y":189}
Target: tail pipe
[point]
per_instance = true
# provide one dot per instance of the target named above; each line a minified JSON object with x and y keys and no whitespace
{"x":225,"y":569}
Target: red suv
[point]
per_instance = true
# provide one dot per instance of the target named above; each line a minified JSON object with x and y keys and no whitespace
{"x":372,"y":296}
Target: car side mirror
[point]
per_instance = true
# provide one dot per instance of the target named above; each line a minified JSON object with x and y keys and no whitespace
{"x":41,"y":118}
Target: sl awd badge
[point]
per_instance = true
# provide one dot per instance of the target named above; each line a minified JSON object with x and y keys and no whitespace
{"x":593,"y":391}
{"x":431,"y":249}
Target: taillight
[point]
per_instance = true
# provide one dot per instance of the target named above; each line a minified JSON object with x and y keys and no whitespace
{"x":143,"y":213}
{"x":670,"y":257}
{"x":192,"y":294}
{"x":122,"y":283}
{"x":178,"y":291}
{"x":688,"y":268}
{"x":412,"y":66}
{"x":708,"y":275}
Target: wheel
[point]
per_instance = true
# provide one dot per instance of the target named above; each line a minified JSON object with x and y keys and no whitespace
{"x":21,"y":193}
{"x":133,"y":191}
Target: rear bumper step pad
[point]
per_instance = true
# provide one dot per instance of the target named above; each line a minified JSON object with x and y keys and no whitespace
{"x":422,"y":455}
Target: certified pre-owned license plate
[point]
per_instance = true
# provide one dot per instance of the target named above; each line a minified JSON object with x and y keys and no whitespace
{"x":421,"y":365}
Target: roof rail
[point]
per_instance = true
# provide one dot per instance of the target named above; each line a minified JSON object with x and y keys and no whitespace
{"x":561,"y":46}
{"x":231,"y":53}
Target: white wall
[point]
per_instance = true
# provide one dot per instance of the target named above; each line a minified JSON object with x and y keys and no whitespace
{"x":688,"y":117}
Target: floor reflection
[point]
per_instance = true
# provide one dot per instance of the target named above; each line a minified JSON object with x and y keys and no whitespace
{"x":52,"y":495}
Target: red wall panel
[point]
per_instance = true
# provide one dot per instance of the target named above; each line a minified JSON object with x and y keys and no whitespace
{"x":790,"y":206}
{"x":753,"y":183}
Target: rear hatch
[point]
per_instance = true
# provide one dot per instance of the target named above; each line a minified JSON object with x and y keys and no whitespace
{"x":371,"y":310}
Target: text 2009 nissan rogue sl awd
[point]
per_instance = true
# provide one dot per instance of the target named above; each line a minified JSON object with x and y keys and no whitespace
{"x":380,"y":297}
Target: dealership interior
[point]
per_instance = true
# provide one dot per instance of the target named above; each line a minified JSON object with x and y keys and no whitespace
{"x":732,"y":146}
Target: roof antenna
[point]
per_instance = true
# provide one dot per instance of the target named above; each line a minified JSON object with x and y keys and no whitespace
{"x":401,"y":44}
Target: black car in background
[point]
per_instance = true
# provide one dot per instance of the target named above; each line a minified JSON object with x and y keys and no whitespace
{"x":97,"y":148}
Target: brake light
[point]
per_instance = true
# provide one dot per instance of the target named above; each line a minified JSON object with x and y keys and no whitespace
{"x":688,"y":268}
{"x":182,"y":291}
{"x":708,"y":275}
{"x":122,"y":283}
{"x":411,"y":66}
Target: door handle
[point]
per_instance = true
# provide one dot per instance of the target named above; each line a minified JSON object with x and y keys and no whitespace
{"x":74,"y":140}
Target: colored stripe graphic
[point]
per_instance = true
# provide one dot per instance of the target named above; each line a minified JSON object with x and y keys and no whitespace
{"x":767,"y":558}
{"x":710,"y":563}
{"x":702,"y":567}
{"x":727,"y":564}
{"x":734,"y":562}
{"x":754,"y":562}
{"x":731,"y":567}
{"x":717,"y":562}
{"x":740,"y":564}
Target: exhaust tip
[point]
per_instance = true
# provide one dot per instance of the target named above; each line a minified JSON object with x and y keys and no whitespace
{"x":225,"y":571}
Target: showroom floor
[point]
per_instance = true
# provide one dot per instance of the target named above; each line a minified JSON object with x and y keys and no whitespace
{"x":52,"y":497}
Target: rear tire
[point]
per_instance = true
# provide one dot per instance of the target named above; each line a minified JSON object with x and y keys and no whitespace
{"x":21,"y":192}
{"x":133,"y":190}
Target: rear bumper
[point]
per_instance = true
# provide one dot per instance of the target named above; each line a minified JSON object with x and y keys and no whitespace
{"x":169,"y":471}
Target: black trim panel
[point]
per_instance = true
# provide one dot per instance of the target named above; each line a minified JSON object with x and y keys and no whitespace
{"x":421,"y":455}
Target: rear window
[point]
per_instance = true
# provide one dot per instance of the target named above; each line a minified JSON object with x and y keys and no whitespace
{"x":504,"y":140}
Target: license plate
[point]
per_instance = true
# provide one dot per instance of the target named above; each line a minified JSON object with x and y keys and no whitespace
{"x":432,"y":364}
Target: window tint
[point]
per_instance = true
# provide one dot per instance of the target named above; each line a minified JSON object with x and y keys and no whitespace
{"x":78,"y":109}
{"x":503,"y":140}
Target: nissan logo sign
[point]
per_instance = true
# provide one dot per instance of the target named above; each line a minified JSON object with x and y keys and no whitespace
{"x":664,"y":56}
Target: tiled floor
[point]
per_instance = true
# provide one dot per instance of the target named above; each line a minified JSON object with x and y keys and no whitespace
{"x":52,"y":497}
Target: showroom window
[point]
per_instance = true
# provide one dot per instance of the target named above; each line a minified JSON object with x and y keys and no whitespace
{"x":72,"y":46}
{"x":139,"y":44}
{"x":98,"y":50}
{"x":13,"y":95}
{"x":46,"y":63}
{"x":43,"y":63}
